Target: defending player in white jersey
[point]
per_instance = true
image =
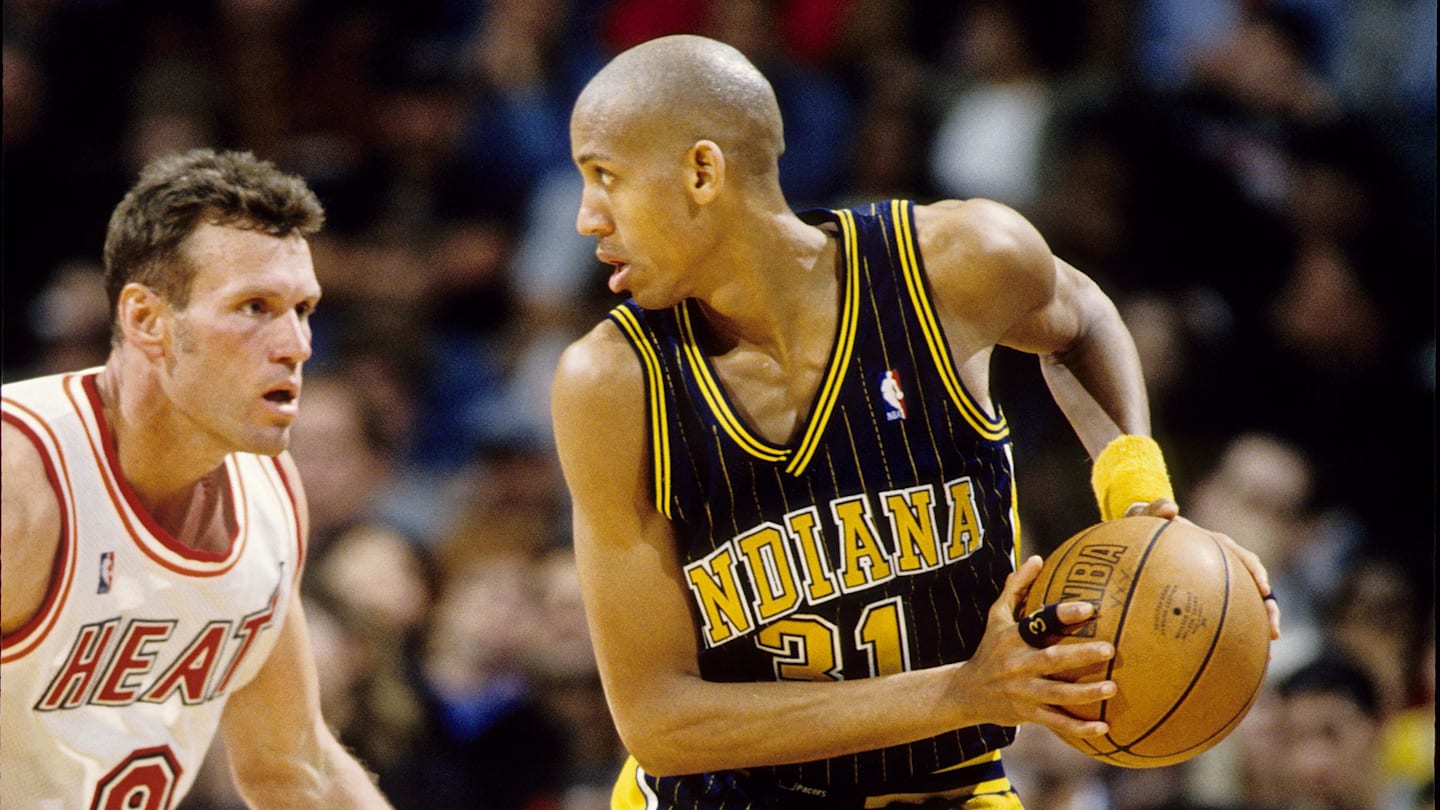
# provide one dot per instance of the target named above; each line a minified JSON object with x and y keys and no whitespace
{"x":154,"y":527}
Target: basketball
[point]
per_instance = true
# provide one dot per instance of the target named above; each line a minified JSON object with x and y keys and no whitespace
{"x":1191,"y":636}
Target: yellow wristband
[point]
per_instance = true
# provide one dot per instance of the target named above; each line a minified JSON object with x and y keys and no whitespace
{"x":1130,"y":470}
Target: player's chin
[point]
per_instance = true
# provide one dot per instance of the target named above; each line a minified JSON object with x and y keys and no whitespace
{"x":652,"y":298}
{"x":268,"y":442}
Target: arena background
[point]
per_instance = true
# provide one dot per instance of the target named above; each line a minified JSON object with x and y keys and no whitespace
{"x":1253,"y":182}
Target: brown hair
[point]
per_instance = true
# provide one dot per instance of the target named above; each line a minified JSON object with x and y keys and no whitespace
{"x":177,"y":193}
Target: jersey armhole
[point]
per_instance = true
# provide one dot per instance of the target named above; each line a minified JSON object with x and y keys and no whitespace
{"x":634,"y":332}
{"x":28,"y":636}
{"x":907,"y":245}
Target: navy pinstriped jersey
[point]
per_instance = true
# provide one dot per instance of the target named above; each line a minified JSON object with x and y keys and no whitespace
{"x":874,"y":543}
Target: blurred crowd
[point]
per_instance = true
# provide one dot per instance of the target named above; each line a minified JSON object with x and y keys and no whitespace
{"x":1253,"y":181}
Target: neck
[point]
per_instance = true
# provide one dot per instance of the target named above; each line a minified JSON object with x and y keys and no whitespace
{"x":769,"y":292}
{"x":161,"y":465}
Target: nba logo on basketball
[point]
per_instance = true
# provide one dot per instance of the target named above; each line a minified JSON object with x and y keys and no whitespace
{"x":893,"y":394}
{"x":107,"y":571}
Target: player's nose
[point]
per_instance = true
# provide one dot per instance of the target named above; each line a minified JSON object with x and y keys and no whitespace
{"x":292,"y":344}
{"x":592,"y":218}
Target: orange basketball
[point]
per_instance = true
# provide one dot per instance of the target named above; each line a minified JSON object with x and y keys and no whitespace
{"x":1191,"y":636}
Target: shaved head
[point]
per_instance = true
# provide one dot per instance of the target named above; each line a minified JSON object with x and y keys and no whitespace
{"x":677,"y":90}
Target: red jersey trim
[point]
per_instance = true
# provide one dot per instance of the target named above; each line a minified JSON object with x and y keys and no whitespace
{"x":30,"y":635}
{"x":127,"y":503}
{"x":289,"y":490}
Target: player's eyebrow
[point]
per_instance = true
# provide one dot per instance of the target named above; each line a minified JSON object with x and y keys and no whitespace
{"x":263,"y":290}
{"x":590,"y":157}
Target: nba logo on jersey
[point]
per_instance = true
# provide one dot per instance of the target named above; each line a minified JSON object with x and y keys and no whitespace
{"x":893,"y":394}
{"x":107,"y":571}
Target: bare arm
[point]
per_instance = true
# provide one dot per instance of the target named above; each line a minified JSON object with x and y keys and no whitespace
{"x":29,"y":529}
{"x":281,"y":752}
{"x":998,"y":284}
{"x":670,"y":719}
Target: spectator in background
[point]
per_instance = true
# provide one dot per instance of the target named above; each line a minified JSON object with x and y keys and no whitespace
{"x":1375,"y":622}
{"x":814,"y":103}
{"x":526,"y":60}
{"x":1331,"y":720}
{"x":346,"y":458}
{"x":989,"y":139}
{"x":561,"y":663}
{"x":489,"y":742}
{"x":379,"y":587}
{"x":1246,"y":771}
{"x":1260,"y":487}
{"x":71,"y":319}
{"x":1409,"y":744}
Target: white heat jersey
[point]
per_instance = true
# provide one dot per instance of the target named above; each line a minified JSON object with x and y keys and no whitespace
{"x":111,"y":694}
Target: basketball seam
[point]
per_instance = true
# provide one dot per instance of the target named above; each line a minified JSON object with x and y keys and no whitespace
{"x":1209,"y":655}
{"x":1125,"y":614}
{"x":1119,"y":628}
{"x":1199,"y":671}
{"x":1069,"y":548}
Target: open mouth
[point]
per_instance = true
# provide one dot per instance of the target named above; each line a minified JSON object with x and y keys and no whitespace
{"x":283,"y":395}
{"x":617,"y":274}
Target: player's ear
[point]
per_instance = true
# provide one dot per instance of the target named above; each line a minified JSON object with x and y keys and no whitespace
{"x":705,"y":169}
{"x":144,"y":318}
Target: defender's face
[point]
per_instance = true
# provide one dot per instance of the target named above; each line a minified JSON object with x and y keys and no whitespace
{"x":233,"y":363}
{"x":634,"y":203}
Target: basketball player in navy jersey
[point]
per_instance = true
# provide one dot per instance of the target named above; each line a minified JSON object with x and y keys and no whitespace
{"x":155,"y":526}
{"x":794,"y":503}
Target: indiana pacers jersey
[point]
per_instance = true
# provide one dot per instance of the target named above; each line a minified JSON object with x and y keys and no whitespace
{"x":873,"y":544}
{"x":113,"y":691}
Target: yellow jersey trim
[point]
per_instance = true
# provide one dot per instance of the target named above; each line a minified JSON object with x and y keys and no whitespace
{"x":844,"y":348}
{"x":825,"y":398}
{"x":655,"y":393}
{"x":719,"y":405}
{"x":627,"y":793}
{"x":993,"y":429}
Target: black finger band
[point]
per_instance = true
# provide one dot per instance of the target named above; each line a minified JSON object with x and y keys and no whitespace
{"x":1043,"y":627}
{"x":1270,"y":597}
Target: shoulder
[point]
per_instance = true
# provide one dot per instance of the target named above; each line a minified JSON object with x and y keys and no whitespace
{"x":599,"y":367}
{"x":977,"y":231}
{"x":29,"y":525}
{"x":29,"y":497}
{"x":980,"y":250}
{"x":599,"y":416}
